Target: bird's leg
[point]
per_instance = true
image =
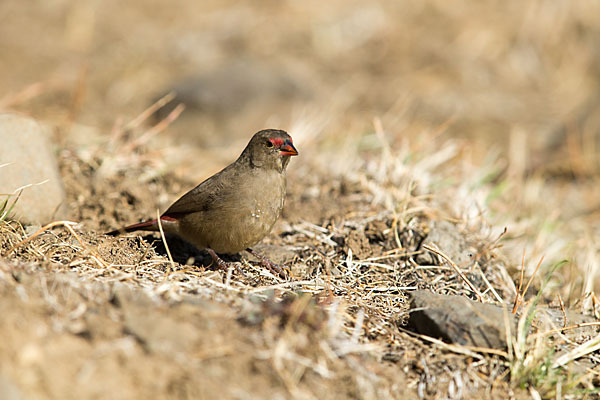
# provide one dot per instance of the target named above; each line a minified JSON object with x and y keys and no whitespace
{"x":275,"y":269}
{"x":224,"y":264}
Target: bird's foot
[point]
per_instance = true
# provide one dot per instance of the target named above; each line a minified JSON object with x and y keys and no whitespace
{"x":282,"y":271}
{"x":224,"y":264}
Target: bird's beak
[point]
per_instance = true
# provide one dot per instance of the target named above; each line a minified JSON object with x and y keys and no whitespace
{"x":288,"y":149}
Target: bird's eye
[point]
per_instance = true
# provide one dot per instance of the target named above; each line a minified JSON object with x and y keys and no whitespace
{"x":270,"y":144}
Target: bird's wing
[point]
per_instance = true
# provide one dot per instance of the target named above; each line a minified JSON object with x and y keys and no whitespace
{"x":204,"y":197}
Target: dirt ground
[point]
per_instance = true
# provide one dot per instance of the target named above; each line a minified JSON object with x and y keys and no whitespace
{"x":417,"y":122}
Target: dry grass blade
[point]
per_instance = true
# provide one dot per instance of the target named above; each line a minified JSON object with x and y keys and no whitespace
{"x":162,"y":236}
{"x":79,"y":92}
{"x":595,"y":303}
{"x":20,"y":189}
{"x":159,"y":127}
{"x":518,"y":295}
{"x":470,"y":351}
{"x":5,"y":208}
{"x":562,"y":308}
{"x":532,"y":276}
{"x":137,"y":121}
{"x":588,"y":347}
{"x":456,"y":268}
{"x":29,"y":92}
{"x":566,"y":328}
{"x":490,"y":287}
{"x":521,"y":294}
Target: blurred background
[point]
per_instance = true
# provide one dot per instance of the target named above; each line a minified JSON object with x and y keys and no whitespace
{"x":491,"y":69}
{"x":515,"y":84}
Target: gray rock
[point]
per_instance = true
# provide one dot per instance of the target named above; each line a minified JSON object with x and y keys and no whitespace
{"x":463,"y":321}
{"x":9,"y":391}
{"x":27,"y":161}
{"x":460,"y":320}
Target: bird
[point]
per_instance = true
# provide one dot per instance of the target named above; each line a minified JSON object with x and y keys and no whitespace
{"x":235,"y":208}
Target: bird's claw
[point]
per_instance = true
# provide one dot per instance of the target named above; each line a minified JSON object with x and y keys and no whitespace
{"x":224,"y":264}
{"x":282,"y":271}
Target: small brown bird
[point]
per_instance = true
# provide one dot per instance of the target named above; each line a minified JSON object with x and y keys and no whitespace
{"x":235,"y":208}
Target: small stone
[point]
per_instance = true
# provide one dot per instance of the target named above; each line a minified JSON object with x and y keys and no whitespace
{"x":27,"y":161}
{"x":448,"y":238}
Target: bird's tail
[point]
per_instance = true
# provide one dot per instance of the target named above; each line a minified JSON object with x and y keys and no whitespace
{"x":150,"y":225}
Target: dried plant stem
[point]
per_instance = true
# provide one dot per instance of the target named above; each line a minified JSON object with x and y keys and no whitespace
{"x":162,"y":236}
{"x":562,"y":308}
{"x":518,"y":296}
{"x":159,"y":127}
{"x":489,"y":285}
{"x":470,"y":351}
{"x":532,"y":276}
{"x":521,"y":294}
{"x":137,"y":121}
{"x":27,"y":93}
{"x":567,"y":328}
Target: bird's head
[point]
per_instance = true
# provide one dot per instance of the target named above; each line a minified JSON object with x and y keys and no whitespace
{"x":270,"y":148}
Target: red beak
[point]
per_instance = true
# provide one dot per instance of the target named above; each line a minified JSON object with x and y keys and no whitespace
{"x":288,"y":149}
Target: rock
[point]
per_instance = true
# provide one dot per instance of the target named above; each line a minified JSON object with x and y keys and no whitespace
{"x":460,"y":320}
{"x":8,"y":390}
{"x":27,"y":161}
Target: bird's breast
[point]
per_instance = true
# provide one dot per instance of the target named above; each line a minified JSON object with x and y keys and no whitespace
{"x":267,"y":203}
{"x":260,"y":201}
